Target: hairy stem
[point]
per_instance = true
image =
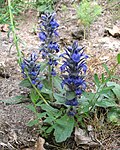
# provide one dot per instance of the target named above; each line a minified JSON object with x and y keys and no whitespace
{"x":19,"y":54}
{"x":50,"y":79}
{"x":36,"y":89}
{"x":113,"y":70}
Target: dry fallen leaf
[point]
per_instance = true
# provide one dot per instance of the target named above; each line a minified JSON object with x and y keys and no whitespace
{"x":39,"y":144}
{"x":82,"y":138}
{"x":13,"y":136}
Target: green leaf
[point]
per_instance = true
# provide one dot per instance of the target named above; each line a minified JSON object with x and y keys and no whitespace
{"x":43,"y":128}
{"x":31,"y":107}
{"x":50,"y":120}
{"x":46,"y":88}
{"x":114,"y":115}
{"x":32,"y":123}
{"x":70,"y":95}
{"x":60,"y":99}
{"x":63,"y":128}
{"x":80,"y":120}
{"x":57,"y":83}
{"x":118,"y":58}
{"x":39,"y":103}
{"x":116,"y":89}
{"x":42,"y":8}
{"x":46,"y":91}
{"x":115,"y":77}
{"x":85,"y":109}
{"x":34,"y":96}
{"x":106,"y":103}
{"x":42,"y":78}
{"x":96,"y":79}
{"x":103,"y":78}
{"x":105,"y":90}
{"x":25,"y":83}
{"x":43,"y":66}
{"x":88,"y":95}
{"x":106,"y":68}
{"x":41,"y":115}
{"x":48,"y":108}
{"x":14,"y":100}
{"x":49,"y":130}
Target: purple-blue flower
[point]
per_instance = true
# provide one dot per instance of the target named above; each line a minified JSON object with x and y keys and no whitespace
{"x":30,"y":67}
{"x":63,"y":67}
{"x":23,"y":66}
{"x":39,"y":86}
{"x":72,"y":102}
{"x":48,"y":33}
{"x":54,"y":24}
{"x":48,"y":27}
{"x":42,"y":36}
{"x":54,"y":46}
{"x":44,"y":55}
{"x":73,"y":71}
{"x":53,"y":72}
{"x":72,"y":112}
{"x":55,"y":62}
{"x":50,"y":62}
{"x":78,"y":91}
{"x":76,"y":56}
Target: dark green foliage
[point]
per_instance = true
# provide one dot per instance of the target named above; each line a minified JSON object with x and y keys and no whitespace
{"x":63,"y":128}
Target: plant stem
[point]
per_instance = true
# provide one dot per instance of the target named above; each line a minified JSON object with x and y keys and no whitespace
{"x":50,"y":79}
{"x":36,"y":114}
{"x":49,"y":74}
{"x":113,"y":69}
{"x":19,"y":54}
{"x":52,"y":88}
{"x":84,"y":32}
{"x":94,"y":101}
{"x":36,"y":89}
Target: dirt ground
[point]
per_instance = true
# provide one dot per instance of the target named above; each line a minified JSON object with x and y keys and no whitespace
{"x":101,"y":48}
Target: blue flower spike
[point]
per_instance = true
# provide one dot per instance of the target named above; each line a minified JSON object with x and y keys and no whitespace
{"x":73,"y":71}
{"x":33,"y":70}
{"x":48,"y":32}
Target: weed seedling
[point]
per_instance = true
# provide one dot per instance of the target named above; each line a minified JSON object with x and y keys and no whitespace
{"x":87,"y":13}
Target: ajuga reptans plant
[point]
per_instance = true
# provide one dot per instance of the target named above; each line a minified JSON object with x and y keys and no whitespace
{"x":60,"y":104}
{"x":63,"y":119}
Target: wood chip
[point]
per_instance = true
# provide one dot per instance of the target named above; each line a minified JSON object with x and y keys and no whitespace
{"x":4,"y":28}
{"x":115,"y":31}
